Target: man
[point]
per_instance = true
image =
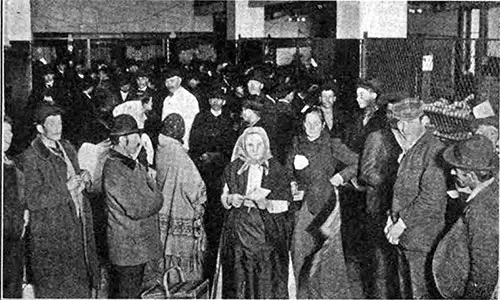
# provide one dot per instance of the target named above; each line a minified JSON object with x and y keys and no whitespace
{"x":211,"y":142}
{"x":125,"y":93}
{"x":255,"y":87}
{"x":180,"y":101}
{"x":377,"y":173}
{"x":419,"y":197}
{"x":474,"y":165}
{"x":49,"y":92}
{"x":15,"y":219}
{"x":287,"y":120}
{"x":331,"y":110}
{"x":133,"y":201}
{"x":82,"y":112}
{"x":253,"y":114}
{"x":354,"y":225}
{"x":142,"y":89}
{"x":64,"y":259}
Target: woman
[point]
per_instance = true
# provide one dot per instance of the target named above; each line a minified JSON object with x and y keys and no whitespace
{"x":14,"y":221}
{"x":254,"y":251}
{"x":184,"y":194}
{"x":313,"y":162}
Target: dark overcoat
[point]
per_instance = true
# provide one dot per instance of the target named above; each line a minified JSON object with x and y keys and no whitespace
{"x":420,"y":194}
{"x":481,"y":220}
{"x":64,"y":258}
{"x":133,"y":202}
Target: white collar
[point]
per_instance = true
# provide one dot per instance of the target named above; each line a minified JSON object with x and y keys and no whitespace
{"x":216,"y":113}
{"x":479,"y":188}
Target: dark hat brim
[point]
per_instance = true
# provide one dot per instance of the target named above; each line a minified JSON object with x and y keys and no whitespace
{"x":450,"y":158}
{"x":125,"y":132}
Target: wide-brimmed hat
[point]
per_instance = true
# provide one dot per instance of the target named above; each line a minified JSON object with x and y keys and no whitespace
{"x":451,"y":261}
{"x":408,"y":109}
{"x":476,"y":153}
{"x":124,"y":125}
{"x":45,"y":110}
{"x":370,"y":83}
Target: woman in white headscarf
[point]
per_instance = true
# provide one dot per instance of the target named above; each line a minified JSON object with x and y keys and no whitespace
{"x":254,"y":248}
{"x":184,"y":194}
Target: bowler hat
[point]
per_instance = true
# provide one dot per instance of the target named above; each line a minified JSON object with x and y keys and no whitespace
{"x":450,"y":262}
{"x":124,"y":125}
{"x":371,"y":83}
{"x":217,"y":93}
{"x":172,"y":72}
{"x":408,"y":109}
{"x":253,"y":105}
{"x":258,"y":76}
{"x":143,"y":73}
{"x":45,"y":110}
{"x":124,"y":80}
{"x":47,"y":69}
{"x":476,"y":153}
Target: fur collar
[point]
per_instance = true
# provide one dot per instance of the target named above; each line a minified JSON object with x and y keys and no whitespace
{"x":129,"y":162}
{"x":42,"y":150}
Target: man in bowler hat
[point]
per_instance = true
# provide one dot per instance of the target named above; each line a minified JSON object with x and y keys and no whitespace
{"x":475,"y":165}
{"x":133,"y":202}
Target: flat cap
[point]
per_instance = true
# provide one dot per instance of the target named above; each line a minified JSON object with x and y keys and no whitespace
{"x":408,"y":109}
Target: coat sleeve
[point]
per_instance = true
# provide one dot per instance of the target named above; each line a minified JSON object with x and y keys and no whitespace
{"x":371,"y":168}
{"x":134,"y":192}
{"x":431,"y":199}
{"x":195,"y":146}
{"x":13,"y":212}
{"x":346,"y":156}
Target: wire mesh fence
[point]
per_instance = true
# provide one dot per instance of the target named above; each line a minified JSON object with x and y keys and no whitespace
{"x":460,"y":66}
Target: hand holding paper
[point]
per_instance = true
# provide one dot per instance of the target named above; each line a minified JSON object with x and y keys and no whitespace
{"x":258,"y":196}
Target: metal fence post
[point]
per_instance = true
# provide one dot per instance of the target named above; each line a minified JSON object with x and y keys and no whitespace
{"x":363,"y":64}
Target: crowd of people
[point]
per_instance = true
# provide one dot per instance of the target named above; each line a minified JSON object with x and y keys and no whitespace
{"x":257,"y":179}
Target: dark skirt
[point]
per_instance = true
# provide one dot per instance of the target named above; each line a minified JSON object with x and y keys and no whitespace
{"x":254,"y":254}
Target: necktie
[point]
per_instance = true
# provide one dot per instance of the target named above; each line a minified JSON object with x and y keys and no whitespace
{"x":57,"y":150}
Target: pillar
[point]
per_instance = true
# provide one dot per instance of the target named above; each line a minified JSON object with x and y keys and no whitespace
{"x":244,"y":21}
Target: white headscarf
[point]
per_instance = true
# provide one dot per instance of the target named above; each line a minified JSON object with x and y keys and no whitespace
{"x":241,"y":152}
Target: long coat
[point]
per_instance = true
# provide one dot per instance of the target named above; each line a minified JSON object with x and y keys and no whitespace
{"x":378,"y":170}
{"x":133,"y":201}
{"x":64,"y":261}
{"x":13,"y":224}
{"x":254,"y":252}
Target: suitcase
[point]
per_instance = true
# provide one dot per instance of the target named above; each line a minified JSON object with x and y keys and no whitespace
{"x":196,"y":289}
